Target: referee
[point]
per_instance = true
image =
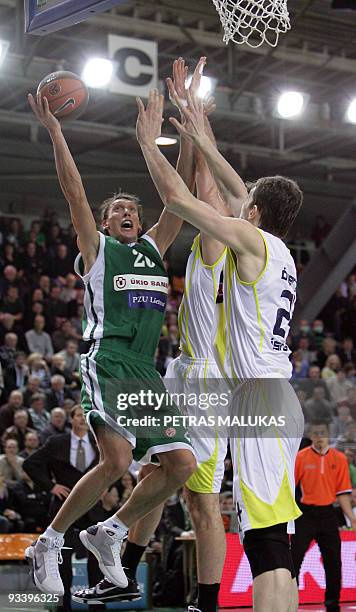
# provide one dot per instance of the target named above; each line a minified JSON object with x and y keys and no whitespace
{"x":323,"y":476}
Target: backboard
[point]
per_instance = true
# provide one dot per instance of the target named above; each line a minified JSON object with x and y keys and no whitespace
{"x":44,"y":16}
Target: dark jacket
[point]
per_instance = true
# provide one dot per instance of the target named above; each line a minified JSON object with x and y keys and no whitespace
{"x":51,"y":463}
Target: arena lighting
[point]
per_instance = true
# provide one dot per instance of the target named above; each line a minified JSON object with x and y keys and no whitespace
{"x":97,"y":72}
{"x":290,"y":104}
{"x":207,"y":86}
{"x":4,"y":47}
{"x":166,"y":141}
{"x":351,"y":112}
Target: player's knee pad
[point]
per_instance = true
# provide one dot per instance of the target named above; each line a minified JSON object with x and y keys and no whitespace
{"x":268,"y":549}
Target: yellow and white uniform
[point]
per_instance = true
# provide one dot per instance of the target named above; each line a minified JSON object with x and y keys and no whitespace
{"x":195,"y":373}
{"x":250,"y":332}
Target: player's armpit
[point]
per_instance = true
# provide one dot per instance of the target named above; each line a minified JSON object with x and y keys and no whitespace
{"x":89,"y":250}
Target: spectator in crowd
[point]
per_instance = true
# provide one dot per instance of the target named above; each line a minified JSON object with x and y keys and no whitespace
{"x":55,"y":307}
{"x":64,"y":332}
{"x":33,"y":386}
{"x":7,"y":411}
{"x":58,"y":368}
{"x":56,"y":426}
{"x":16,"y":376}
{"x":18,"y":430}
{"x":10,"y":278}
{"x":340,"y":421}
{"x":328,"y":348}
{"x":37,"y":367}
{"x":318,"y":407}
{"x":32,"y":265}
{"x":7,"y":324}
{"x":12,"y":304}
{"x":351,"y":456}
{"x":338,"y":385}
{"x":32,"y":443}
{"x":61,"y":264}
{"x":8,"y":350}
{"x":38,"y":341}
{"x":346,"y":351}
{"x":44,"y":284}
{"x":9,"y":519}
{"x":318,"y":334}
{"x":71,"y":356}
{"x":349,"y":437}
{"x":33,"y":503}
{"x":63,"y":460}
{"x":332,"y":366}
{"x":58,"y":392}
{"x":11,"y":464}
{"x":300,"y":365}
{"x":69,"y":292}
{"x":9,"y":256}
{"x":108,"y":504}
{"x":38,"y":413}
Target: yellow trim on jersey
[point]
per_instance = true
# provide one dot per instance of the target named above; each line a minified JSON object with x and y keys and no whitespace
{"x":261,"y":514}
{"x":202,"y":481}
{"x":259,"y":318}
{"x":262,"y":271}
{"x":220,"y":337}
{"x":229,"y":271}
{"x":197,"y":240}
{"x":187,"y":347}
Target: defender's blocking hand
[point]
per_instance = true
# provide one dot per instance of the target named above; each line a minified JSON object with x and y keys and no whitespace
{"x":149,"y":120}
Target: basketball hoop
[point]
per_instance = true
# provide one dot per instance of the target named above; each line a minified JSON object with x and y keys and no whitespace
{"x":253,"y":21}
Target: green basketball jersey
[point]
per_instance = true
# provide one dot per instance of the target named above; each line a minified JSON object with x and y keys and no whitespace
{"x":125,"y":294}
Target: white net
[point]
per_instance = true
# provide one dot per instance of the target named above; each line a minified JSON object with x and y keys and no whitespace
{"x":253,"y":21}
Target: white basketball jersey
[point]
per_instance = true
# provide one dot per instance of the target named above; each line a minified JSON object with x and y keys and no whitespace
{"x":251,"y":325}
{"x":196,"y":312}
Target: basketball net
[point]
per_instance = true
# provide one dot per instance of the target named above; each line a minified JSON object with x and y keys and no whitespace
{"x":253,"y":21}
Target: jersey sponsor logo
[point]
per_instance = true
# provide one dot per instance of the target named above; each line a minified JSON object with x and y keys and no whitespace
{"x":147,"y":299}
{"x":131,"y":282}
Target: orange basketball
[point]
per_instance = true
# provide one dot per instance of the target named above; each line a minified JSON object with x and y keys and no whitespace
{"x":66,"y":93}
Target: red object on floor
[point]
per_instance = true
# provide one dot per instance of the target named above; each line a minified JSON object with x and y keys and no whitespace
{"x":236,"y":585}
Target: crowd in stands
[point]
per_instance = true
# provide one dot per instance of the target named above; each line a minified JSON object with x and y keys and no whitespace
{"x":41,"y":307}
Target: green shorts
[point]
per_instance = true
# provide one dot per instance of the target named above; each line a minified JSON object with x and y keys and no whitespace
{"x":122,"y":389}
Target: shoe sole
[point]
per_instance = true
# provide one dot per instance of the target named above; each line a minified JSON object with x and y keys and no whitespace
{"x":105,"y":599}
{"x":85,"y":541}
{"x":29,"y":559}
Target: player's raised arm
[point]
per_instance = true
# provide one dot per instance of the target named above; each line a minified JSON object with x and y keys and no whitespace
{"x":70,"y":182}
{"x":230,"y":184}
{"x":169,"y":225}
{"x":235,"y":233}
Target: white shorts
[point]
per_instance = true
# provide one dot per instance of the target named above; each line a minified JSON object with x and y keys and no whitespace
{"x":201,"y":378}
{"x":264,"y":454}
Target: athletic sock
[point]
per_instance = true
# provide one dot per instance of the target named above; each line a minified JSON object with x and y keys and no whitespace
{"x":208,"y":597}
{"x":52,"y":533}
{"x":116,"y":525}
{"x":131,"y":558}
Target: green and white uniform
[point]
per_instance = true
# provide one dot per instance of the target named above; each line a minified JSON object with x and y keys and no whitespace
{"x":195,"y":371}
{"x":251,"y":329}
{"x":125,"y":299}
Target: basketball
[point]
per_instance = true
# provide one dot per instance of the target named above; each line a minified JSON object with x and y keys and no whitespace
{"x":66,"y":93}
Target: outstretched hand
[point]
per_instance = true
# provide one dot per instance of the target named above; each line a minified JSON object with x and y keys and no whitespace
{"x":40,"y":108}
{"x":193,"y":124}
{"x":179,"y":84}
{"x":150,"y":119}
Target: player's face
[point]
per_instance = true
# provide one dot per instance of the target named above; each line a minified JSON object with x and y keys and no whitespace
{"x":123,"y":221}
